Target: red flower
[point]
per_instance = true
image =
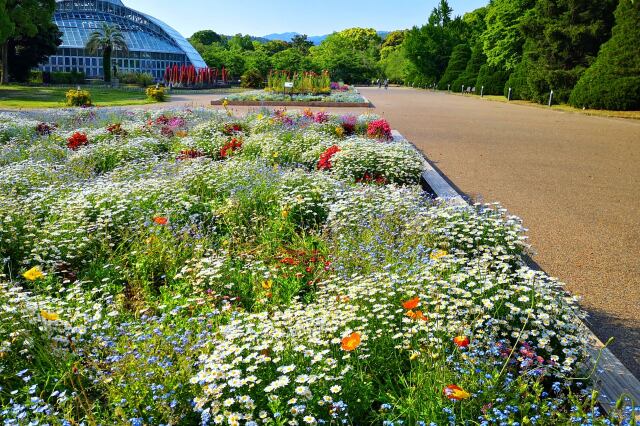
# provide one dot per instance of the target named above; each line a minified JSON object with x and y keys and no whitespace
{"x":411,"y":303}
{"x":455,"y":393}
{"x":461,"y":341}
{"x":230,"y":147}
{"x":160,"y":220}
{"x":76,"y":141}
{"x":325,"y":159}
{"x":187,"y":154}
{"x":379,"y":129}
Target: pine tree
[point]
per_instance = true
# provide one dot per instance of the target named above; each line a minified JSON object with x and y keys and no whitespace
{"x":492,"y":79}
{"x":613,"y":81}
{"x":457,"y":64}
{"x":471,"y":71}
{"x":562,"y":40}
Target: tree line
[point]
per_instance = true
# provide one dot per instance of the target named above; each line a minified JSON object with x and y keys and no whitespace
{"x":586,"y":52}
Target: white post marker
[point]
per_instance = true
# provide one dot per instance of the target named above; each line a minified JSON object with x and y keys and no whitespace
{"x":550,"y":98}
{"x":287,"y":85}
{"x":462,"y":91}
{"x":482,"y":92}
{"x":509,"y":98}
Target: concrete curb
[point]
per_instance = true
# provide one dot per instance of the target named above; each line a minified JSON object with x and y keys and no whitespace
{"x":610,"y":376}
{"x":319,"y":104}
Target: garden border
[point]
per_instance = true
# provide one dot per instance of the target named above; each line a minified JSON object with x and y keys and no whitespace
{"x":366,"y":104}
{"x":611,"y":377}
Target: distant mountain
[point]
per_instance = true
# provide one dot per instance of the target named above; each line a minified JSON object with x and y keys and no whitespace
{"x":315,"y":39}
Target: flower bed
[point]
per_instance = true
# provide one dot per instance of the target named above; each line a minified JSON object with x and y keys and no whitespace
{"x":191,"y":267}
{"x":337,"y":97}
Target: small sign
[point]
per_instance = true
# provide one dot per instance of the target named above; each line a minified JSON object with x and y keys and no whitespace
{"x":288,"y":85}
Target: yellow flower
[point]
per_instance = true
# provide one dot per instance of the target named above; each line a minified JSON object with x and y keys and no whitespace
{"x":225,"y":103}
{"x":339,"y":131}
{"x":285,"y":213}
{"x":49,"y":316}
{"x":260,"y":117}
{"x":438,"y":254}
{"x":267,"y":284}
{"x":275,"y":155}
{"x":414,"y":355}
{"x":33,"y":274}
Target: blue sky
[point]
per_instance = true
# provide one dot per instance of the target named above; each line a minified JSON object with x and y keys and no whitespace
{"x":318,"y":17}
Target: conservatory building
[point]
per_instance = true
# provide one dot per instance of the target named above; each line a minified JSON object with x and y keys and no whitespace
{"x":153,"y":45}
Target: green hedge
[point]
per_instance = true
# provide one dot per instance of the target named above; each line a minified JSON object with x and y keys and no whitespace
{"x":493,"y":80}
{"x":457,"y":64}
{"x":73,"y":77}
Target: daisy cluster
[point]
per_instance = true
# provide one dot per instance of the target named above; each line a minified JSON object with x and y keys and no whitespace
{"x":192,"y":267}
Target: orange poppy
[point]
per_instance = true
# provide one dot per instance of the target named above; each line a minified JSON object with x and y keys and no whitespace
{"x":351,"y":342}
{"x":455,"y":393}
{"x":411,"y":303}
{"x":461,"y":341}
{"x":160,"y":220}
{"x":417,"y":315}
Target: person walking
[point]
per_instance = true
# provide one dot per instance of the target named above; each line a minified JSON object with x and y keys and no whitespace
{"x":379,"y":83}
{"x":386,"y":84}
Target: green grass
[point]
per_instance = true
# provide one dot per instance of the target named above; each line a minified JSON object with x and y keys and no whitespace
{"x":14,"y":96}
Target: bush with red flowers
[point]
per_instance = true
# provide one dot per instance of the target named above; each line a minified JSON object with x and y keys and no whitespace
{"x":321,"y":117}
{"x":77,"y":140}
{"x":188,"y":154}
{"x":230,"y":147}
{"x":44,"y":129}
{"x":325,"y":159}
{"x":379,"y":129}
{"x":116,"y":129}
{"x":231,"y":129}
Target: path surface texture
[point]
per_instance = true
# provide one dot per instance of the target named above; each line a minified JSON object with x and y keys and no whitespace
{"x":572,"y":178}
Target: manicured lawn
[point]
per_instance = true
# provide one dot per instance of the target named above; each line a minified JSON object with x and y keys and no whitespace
{"x":54,"y":97}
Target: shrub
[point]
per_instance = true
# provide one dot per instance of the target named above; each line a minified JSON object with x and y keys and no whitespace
{"x":613,"y":81}
{"x":79,"y":98}
{"x":156,"y":94}
{"x":35,"y":77}
{"x":457,"y":64}
{"x":470,"y":74}
{"x":252,"y":79}
{"x":379,"y":129}
{"x":73,"y":77}
{"x":492,"y":79}
{"x":142,"y":79}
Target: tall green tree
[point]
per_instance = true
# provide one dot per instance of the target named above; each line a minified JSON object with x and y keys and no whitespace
{"x":470,"y":74}
{"x":429,"y":47}
{"x":457,"y":64}
{"x":20,"y":18}
{"x":301,"y":42}
{"x":106,"y":40}
{"x":613,"y":81}
{"x":503,"y":39}
{"x":563,"y":39}
{"x":291,"y":60}
{"x":351,"y":55}
{"x":27,"y":52}
{"x":206,"y":37}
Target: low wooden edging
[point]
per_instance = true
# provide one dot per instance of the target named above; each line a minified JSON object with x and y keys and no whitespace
{"x":611,"y":377}
{"x":366,"y":104}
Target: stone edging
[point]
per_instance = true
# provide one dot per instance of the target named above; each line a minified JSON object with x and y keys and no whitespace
{"x":610,"y":376}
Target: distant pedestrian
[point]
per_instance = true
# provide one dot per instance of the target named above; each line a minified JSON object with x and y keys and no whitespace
{"x":386,"y":84}
{"x":379,"y":83}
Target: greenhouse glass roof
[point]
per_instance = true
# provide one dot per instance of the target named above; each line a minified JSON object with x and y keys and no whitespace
{"x":77,"y":19}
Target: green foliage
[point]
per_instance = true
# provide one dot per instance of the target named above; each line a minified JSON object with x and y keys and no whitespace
{"x":157,"y":94}
{"x":471,"y":71}
{"x":78,"y":98}
{"x":563,"y":38}
{"x":395,"y":66}
{"x":503,"y":39}
{"x":291,"y":60}
{"x":300,"y":42}
{"x":252,"y":79}
{"x":206,"y":37}
{"x":241,"y":42}
{"x":73,"y":77}
{"x":303,"y":82}
{"x":613,"y":81}
{"x":141,"y":79}
{"x":493,"y":79}
{"x":457,"y":65}
{"x":351,"y":55}
{"x":26,"y":52}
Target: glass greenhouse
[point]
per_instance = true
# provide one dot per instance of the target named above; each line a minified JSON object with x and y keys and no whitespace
{"x":153,"y":45}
